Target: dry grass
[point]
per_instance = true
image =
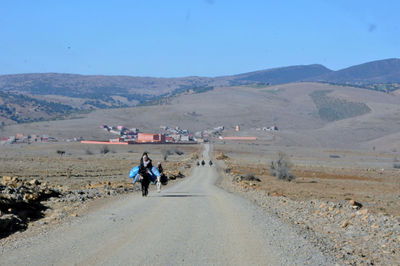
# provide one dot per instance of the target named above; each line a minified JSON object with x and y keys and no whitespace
{"x":378,"y":191}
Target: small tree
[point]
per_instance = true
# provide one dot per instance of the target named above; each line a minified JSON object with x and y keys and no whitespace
{"x":104,"y":150}
{"x":281,"y":168}
{"x":179,"y":152}
{"x":60,"y":152}
{"x":166,"y":153}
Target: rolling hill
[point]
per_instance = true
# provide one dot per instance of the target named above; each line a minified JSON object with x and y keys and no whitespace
{"x":382,"y":71}
{"x":307,"y":114}
{"x":84,"y":92}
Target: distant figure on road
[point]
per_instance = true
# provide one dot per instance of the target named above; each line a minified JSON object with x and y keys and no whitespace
{"x":210,"y":163}
{"x":203,"y":162}
{"x":198,"y":163}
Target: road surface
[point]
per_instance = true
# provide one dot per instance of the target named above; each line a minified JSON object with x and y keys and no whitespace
{"x":191,"y":223}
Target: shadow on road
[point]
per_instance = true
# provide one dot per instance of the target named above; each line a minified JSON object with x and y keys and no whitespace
{"x":179,"y":196}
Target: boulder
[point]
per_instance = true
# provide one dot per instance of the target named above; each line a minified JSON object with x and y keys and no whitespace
{"x":10,"y":223}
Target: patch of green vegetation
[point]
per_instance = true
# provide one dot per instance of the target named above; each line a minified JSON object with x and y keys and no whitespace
{"x":203,"y":89}
{"x":165,"y":98}
{"x":382,"y":87}
{"x":258,"y":85}
{"x":333,"y":109}
{"x":272,"y":91}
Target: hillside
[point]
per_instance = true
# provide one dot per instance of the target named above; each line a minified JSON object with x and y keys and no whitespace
{"x":17,"y":108}
{"x":81,"y":86}
{"x":354,"y":117}
{"x":83,"y":92}
{"x":282,"y":75}
{"x":382,"y":71}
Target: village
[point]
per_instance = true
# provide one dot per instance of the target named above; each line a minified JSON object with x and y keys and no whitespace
{"x":28,"y":139}
{"x":124,"y":135}
{"x":168,"y":135}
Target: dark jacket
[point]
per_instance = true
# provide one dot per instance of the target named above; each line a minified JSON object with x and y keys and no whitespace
{"x":142,"y":168}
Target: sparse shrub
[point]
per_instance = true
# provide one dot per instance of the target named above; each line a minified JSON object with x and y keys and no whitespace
{"x":104,"y":150}
{"x":60,"y":152}
{"x":281,"y":168}
{"x":396,"y":165}
{"x":166,"y":153}
{"x":250,"y":177}
{"x":89,"y":152}
{"x":179,"y":152}
{"x":221,"y":156}
{"x":194,"y":156}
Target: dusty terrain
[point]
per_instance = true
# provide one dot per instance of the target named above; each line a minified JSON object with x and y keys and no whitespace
{"x":193,"y":222}
{"x":366,"y":177}
{"x":351,"y":211}
{"x":41,"y":186}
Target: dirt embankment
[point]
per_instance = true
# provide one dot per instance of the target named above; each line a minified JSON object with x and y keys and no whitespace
{"x":320,"y":203}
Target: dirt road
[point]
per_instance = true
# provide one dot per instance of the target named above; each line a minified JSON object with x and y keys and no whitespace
{"x":191,"y":223}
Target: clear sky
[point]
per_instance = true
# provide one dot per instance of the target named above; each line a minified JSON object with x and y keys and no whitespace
{"x":168,"y":38}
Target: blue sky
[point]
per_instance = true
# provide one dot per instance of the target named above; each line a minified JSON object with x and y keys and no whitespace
{"x":170,"y":38}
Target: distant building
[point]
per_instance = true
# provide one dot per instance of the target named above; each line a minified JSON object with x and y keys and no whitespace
{"x":149,"y":137}
{"x":19,"y":136}
{"x":169,"y":139}
{"x":184,"y":138}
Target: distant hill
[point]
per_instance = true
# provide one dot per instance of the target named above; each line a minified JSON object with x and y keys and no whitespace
{"x":382,"y":71}
{"x":73,"y":85}
{"x":282,"y":75}
{"x":87,"y":92}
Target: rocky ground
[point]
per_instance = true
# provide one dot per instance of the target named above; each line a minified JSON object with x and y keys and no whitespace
{"x":344,"y":229}
{"x":50,"y":198}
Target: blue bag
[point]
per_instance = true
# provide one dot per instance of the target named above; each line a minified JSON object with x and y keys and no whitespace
{"x":153,"y":174}
{"x":134,"y":173}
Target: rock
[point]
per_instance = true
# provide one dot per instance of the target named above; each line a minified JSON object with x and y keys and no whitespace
{"x":345,"y":224}
{"x":34,"y":182}
{"x":362,"y":212}
{"x":355,"y":204}
{"x":6,"y":178}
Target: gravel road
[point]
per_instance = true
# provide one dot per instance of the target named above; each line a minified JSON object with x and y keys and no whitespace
{"x":191,"y":223}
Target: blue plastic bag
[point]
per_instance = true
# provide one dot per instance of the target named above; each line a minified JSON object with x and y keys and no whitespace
{"x":153,"y":174}
{"x":134,"y":173}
